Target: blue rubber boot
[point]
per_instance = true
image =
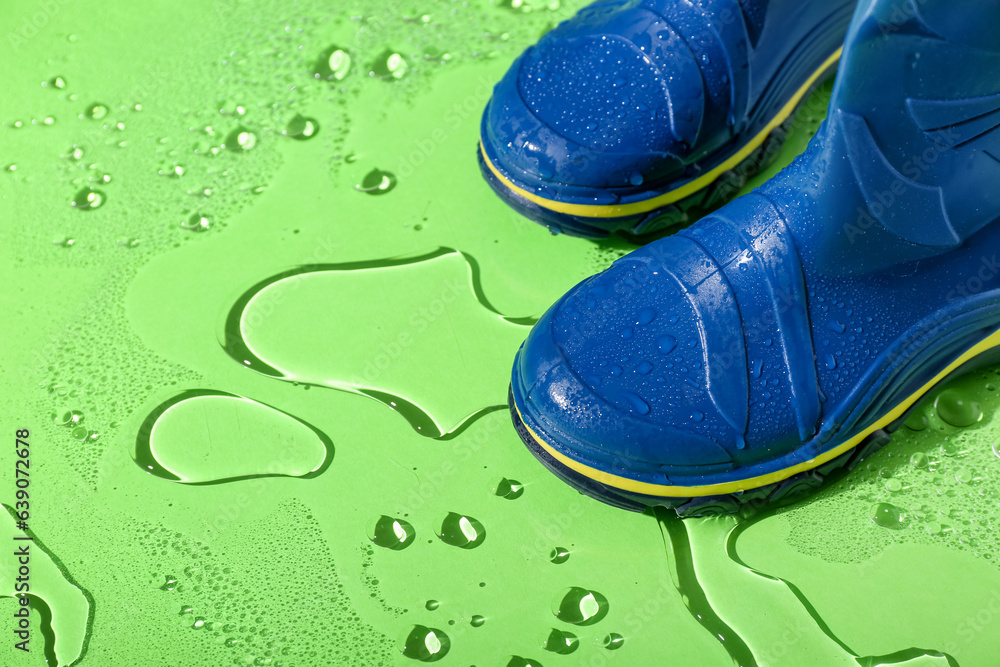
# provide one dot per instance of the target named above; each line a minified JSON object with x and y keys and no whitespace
{"x":634,"y":112}
{"x":788,"y":334}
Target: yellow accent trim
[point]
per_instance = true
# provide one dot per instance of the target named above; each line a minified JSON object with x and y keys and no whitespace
{"x":624,"y":483}
{"x":620,"y":210}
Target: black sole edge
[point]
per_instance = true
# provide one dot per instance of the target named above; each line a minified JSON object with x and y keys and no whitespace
{"x":644,"y":227}
{"x":798,"y":485}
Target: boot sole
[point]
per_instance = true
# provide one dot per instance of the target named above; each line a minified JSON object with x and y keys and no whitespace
{"x":641,"y":218}
{"x":729,"y":497}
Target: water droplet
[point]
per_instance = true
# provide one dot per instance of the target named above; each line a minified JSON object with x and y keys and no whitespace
{"x":68,"y":418}
{"x":613,"y":641}
{"x":509,"y":489}
{"x":57,"y":82}
{"x":956,"y":410}
{"x":196,"y":222}
{"x":888,"y":516}
{"x":477,"y":621}
{"x":241,"y":140}
{"x":96,"y":111}
{"x":430,"y":605}
{"x":390,"y":66}
{"x":646,"y":315}
{"x":561,"y":642}
{"x":893,"y":485}
{"x":64,"y":242}
{"x":830,"y":361}
{"x":637,"y":402}
{"x":635,"y":178}
{"x":666,"y":343}
{"x":916,"y":421}
{"x":377,"y":182}
{"x":395,"y":534}
{"x":559,"y":555}
{"x":173,"y":170}
{"x":301,"y":128}
{"x":836,"y":327}
{"x":963,"y":476}
{"x":644,"y":368}
{"x":462,"y":531}
{"x":333,"y":64}
{"x":518,"y":661}
{"x":996,"y":448}
{"x":697,"y":416}
{"x":919,"y":460}
{"x":88,"y":199}
{"x":580,"y":606}
{"x":426,"y":644}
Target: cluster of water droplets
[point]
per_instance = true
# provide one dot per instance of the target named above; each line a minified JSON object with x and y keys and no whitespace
{"x":935,"y":483}
{"x":236,"y":621}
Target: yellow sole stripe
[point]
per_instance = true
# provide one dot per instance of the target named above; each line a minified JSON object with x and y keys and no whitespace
{"x":645,"y":488}
{"x":621,"y":210}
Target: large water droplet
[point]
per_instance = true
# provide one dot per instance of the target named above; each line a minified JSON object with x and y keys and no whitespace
{"x":377,"y":182}
{"x":559,"y":555}
{"x":426,"y":644}
{"x":96,"y":111}
{"x":477,"y":621}
{"x":395,"y":534}
{"x":581,"y":606}
{"x":390,"y":66}
{"x":888,"y":515}
{"x":561,"y":642}
{"x":637,"y":402}
{"x":666,"y":343}
{"x":955,"y":409}
{"x":916,"y":421}
{"x":204,"y":436}
{"x":333,"y":64}
{"x":646,"y":315}
{"x":613,"y":641}
{"x":88,"y":199}
{"x":196,"y":222}
{"x":462,"y":531}
{"x":510,"y":489}
{"x":241,"y":140}
{"x":518,"y":661}
{"x":301,"y":128}
{"x":68,"y":418}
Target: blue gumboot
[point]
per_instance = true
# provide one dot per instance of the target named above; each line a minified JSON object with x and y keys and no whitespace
{"x":635,"y":111}
{"x":789,"y":333}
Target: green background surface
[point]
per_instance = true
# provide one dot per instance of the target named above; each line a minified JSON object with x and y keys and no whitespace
{"x":251,"y":544}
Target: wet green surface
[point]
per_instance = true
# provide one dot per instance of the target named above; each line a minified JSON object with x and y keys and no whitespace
{"x":260,"y":326}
